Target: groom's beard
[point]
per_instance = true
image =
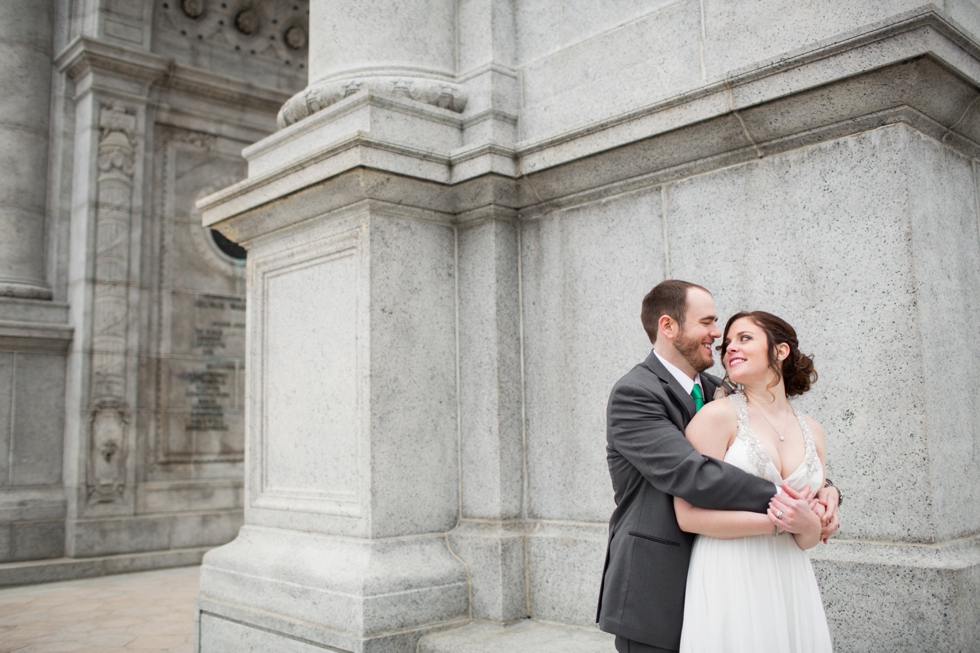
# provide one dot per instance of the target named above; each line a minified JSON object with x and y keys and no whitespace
{"x":690,"y":349}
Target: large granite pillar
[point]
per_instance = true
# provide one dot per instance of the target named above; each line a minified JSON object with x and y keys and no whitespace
{"x":25,"y":67}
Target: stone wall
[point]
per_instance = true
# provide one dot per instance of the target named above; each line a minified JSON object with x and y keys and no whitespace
{"x":481,"y":239}
{"x":122,"y":383}
{"x":451,"y":211}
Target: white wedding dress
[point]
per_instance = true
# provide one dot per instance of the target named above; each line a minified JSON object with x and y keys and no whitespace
{"x":756,"y":594}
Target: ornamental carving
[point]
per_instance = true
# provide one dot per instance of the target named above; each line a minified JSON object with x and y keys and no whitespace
{"x":269,"y":29}
{"x":116,"y":161}
{"x":108,"y":457}
{"x":318,"y":96}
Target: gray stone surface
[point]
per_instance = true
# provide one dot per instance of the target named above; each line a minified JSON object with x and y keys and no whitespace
{"x":38,"y":426}
{"x":527,"y":635}
{"x":215,"y":42}
{"x":37,"y":540}
{"x":872,"y":303}
{"x":445,"y":268}
{"x":562,"y":578}
{"x":490,"y":371}
{"x":641,"y":159}
{"x":494,"y":555}
{"x":886,"y":597}
{"x":353,"y":589}
{"x":227,"y":636}
{"x":25,"y":57}
{"x":6,"y":408}
{"x":585,"y":271}
{"x":416,"y":35}
{"x":51,"y":571}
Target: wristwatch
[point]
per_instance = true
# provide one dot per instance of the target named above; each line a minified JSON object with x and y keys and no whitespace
{"x":840,"y":495}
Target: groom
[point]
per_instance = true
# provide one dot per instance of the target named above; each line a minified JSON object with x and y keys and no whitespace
{"x":641,"y":599}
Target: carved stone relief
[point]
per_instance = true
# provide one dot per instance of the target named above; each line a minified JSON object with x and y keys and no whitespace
{"x":320,"y":95}
{"x":271,"y":29}
{"x":117,"y":150}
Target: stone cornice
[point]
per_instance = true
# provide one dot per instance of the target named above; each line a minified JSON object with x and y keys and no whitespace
{"x":85,"y":56}
{"x":35,"y":336}
{"x":921,"y":32}
{"x":919,"y":69}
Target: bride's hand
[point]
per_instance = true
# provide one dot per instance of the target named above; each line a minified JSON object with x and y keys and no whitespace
{"x":791,"y":511}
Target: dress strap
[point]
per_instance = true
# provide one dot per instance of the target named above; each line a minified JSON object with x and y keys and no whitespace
{"x":811,"y":458}
{"x":757,"y":453}
{"x":741,"y":409}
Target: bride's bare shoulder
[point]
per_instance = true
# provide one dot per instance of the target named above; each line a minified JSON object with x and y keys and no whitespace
{"x":719,"y":410}
{"x":714,"y":427}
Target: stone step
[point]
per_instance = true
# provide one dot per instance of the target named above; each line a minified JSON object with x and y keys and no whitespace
{"x":526,"y":635}
{"x":53,"y":570}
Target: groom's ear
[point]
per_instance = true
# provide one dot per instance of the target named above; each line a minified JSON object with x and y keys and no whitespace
{"x":667,"y":326}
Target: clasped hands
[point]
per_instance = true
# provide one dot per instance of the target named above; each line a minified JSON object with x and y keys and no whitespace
{"x":806,"y":513}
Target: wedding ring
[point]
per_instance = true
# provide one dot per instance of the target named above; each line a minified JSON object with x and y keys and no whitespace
{"x":779,"y":515}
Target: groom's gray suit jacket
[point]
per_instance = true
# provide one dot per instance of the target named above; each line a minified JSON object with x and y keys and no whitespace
{"x":650,"y":461}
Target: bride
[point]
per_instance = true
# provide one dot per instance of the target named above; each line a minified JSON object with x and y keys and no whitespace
{"x":750,"y":587}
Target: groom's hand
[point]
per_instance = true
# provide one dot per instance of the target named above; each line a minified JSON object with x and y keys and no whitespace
{"x":830,"y":497}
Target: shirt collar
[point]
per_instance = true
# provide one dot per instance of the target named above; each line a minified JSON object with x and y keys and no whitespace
{"x":686,"y":382}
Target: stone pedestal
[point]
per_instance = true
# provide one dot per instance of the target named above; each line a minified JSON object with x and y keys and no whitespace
{"x":352,"y":408}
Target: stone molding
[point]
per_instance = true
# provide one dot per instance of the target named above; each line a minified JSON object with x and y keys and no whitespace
{"x":338,"y":592}
{"x":85,"y":56}
{"x":320,"y":95}
{"x":24,"y":290}
{"x":892,"y":74}
{"x":35,"y":336}
{"x":347,"y":504}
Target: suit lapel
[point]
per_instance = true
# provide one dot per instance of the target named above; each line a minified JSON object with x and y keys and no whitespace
{"x":673,"y":386}
{"x":709,"y":387}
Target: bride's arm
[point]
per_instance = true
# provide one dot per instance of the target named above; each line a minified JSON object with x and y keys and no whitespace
{"x":723,"y":524}
{"x":711,"y":432}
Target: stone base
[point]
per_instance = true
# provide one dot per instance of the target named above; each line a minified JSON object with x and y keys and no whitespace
{"x":526,"y":635}
{"x":59,"y":569}
{"x":901,"y":597}
{"x":224,"y":628}
{"x":274,"y":589}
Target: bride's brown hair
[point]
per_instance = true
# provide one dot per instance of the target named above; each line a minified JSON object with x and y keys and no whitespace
{"x":796,"y":371}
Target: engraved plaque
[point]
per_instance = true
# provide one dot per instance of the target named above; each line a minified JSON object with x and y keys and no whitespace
{"x":205,"y":397}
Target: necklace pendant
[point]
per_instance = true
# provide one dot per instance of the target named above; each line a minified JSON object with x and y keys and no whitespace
{"x":782,"y":438}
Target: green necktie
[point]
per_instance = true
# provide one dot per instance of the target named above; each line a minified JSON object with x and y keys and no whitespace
{"x":698,"y":397}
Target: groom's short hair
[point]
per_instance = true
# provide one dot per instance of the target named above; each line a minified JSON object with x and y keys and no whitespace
{"x":667,"y":298}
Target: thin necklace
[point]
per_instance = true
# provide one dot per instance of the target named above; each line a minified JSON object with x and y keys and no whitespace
{"x":782,"y":438}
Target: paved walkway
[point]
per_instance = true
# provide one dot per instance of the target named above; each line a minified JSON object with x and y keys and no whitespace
{"x":147,"y":611}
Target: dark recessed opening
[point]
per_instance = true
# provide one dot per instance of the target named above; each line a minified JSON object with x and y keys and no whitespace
{"x":233,"y":250}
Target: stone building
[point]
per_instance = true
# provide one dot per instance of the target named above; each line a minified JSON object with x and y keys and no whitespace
{"x":448,"y":236}
{"x":122,"y":334}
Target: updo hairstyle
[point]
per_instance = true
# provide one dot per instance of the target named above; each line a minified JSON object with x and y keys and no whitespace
{"x":796,"y":371}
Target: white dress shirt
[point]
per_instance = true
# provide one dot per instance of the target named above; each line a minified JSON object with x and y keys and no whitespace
{"x":686,"y":382}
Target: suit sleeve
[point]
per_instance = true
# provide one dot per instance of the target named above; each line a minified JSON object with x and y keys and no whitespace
{"x":641,"y":431}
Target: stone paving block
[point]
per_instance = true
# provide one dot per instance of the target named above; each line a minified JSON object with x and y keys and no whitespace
{"x":147,"y":611}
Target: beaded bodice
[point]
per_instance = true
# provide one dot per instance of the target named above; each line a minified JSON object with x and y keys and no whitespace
{"x":748,"y":453}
